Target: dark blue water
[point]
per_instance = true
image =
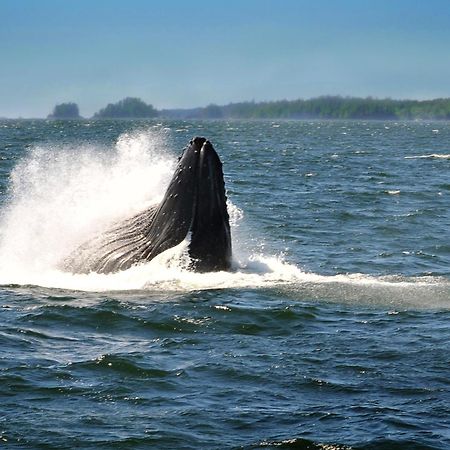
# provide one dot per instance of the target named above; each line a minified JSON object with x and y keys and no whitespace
{"x":333,"y":332}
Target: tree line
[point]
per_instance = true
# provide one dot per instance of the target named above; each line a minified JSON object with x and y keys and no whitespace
{"x":332,"y":107}
{"x":327,"y":107}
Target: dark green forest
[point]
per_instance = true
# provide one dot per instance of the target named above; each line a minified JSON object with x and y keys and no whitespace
{"x":327,"y":107}
{"x":330,"y":107}
{"x":65,"y":111}
{"x":128,"y":108}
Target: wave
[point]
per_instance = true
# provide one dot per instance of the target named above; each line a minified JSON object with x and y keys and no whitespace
{"x":430,"y":156}
{"x":307,"y":444}
{"x":60,"y":196}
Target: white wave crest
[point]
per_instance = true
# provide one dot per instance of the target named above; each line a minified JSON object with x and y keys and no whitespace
{"x":430,"y":156}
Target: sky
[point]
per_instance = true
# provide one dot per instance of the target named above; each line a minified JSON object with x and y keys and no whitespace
{"x":181,"y":54}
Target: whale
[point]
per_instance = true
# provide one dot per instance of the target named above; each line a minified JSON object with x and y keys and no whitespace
{"x":194,"y":208}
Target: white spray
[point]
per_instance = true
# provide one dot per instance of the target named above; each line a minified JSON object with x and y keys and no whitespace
{"x":61,"y":196}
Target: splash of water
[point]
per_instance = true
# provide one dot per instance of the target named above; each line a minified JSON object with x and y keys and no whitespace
{"x":61,"y":196}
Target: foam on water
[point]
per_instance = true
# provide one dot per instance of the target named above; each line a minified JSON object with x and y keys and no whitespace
{"x":430,"y":156}
{"x":61,"y":196}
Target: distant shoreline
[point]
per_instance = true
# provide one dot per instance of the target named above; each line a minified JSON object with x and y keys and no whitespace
{"x":223,"y":119}
{"x":319,"y":108}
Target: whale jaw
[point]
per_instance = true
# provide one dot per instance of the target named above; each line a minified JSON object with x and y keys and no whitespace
{"x":210,"y":246}
{"x":196,"y":197}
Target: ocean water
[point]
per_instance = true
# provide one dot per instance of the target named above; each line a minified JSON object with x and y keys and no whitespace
{"x":331,"y":332}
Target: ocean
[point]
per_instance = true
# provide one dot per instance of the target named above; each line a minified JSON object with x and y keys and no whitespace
{"x":331,"y":332}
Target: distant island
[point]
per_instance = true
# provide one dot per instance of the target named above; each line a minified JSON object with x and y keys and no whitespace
{"x":327,"y":107}
{"x":65,"y":111}
{"x":128,"y":108}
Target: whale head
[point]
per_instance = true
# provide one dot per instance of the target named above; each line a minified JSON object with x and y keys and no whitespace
{"x":195,"y":206}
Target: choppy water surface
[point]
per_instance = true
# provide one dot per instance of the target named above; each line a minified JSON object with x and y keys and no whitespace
{"x":332,"y":332}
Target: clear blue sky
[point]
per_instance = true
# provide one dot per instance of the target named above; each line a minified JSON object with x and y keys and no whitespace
{"x":175,"y":53}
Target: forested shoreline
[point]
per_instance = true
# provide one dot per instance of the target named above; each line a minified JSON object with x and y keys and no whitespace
{"x":322,"y":108}
{"x":326,"y":107}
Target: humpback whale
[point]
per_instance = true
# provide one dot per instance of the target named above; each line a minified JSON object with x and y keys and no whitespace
{"x":194,"y":207}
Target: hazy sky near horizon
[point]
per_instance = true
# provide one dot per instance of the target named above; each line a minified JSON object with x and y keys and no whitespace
{"x":176,"y":53}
